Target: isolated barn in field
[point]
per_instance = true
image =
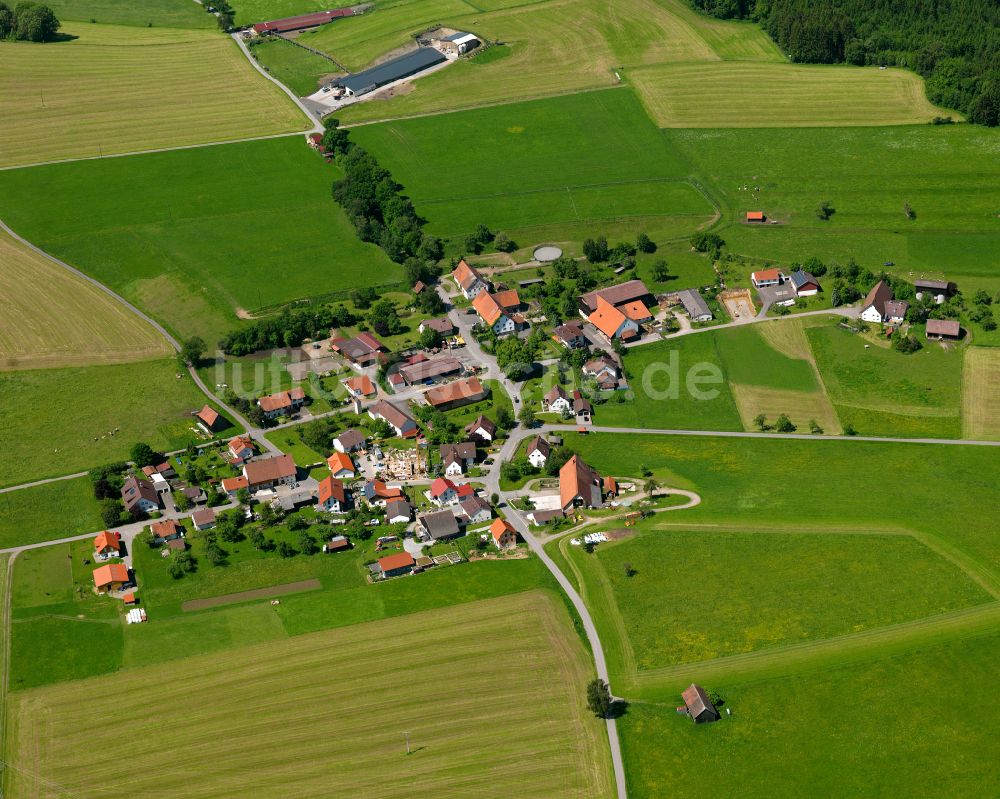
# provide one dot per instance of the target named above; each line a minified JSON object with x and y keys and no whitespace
{"x":698,"y":706}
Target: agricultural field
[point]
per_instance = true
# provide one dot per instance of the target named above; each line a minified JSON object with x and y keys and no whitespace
{"x":251,"y":11}
{"x":761,"y":743}
{"x":47,"y":512}
{"x":742,"y":94}
{"x":54,"y":318}
{"x":149,"y":13}
{"x":300,"y":70}
{"x":116,"y":89}
{"x":540,"y":740}
{"x":946,"y":173}
{"x":981,"y":394}
{"x":61,"y":421}
{"x":879,"y":391}
{"x":548,"y":166}
{"x":193,"y":236}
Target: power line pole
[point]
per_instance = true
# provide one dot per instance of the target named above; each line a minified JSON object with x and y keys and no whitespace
{"x":407,"y":742}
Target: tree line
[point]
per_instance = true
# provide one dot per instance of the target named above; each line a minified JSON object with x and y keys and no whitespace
{"x":28,"y":22}
{"x":288,"y":329}
{"x":953,"y":44}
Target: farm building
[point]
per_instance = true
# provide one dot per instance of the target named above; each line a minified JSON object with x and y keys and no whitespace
{"x":404,"y":66}
{"x":349,"y":441}
{"x":282,"y":403}
{"x":493,"y":315}
{"x":209,"y":419}
{"x":431,"y":370}
{"x":270,"y":472}
{"x":879,"y":306}
{"x":698,"y":706}
{"x":203,"y":519}
{"x":482,"y":428}
{"x":695,"y":305}
{"x":943,"y":329}
{"x":394,"y":565}
{"x":139,"y":495}
{"x":332,"y":495}
{"x":939,"y":290}
{"x":362,"y":350}
{"x":440,"y":525}
{"x":579,"y":485}
{"x":469,"y":280}
{"x":804,"y":283}
{"x":341,"y":466}
{"x":108,"y":545}
{"x":454,"y":395}
{"x":622,"y":294}
{"x":767,"y":277}
{"x":112,"y":577}
{"x":337,"y":543}
{"x":538,"y":452}
{"x":755,"y":217}
{"x":612,"y":322}
{"x":504,"y":536}
{"x":458,"y":43}
{"x":399,"y":420}
{"x":304,"y":21}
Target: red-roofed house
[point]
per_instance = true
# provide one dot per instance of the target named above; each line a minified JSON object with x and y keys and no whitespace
{"x":231,"y":485}
{"x":341,"y":465}
{"x":112,"y":577}
{"x":269,"y":472}
{"x":443,"y":492}
{"x":241,"y":448}
{"x":108,"y":545}
{"x":612,"y":322}
{"x":767,"y":277}
{"x":579,"y":485}
{"x":165,"y":530}
{"x":395,"y":565}
{"x":332,"y":495}
{"x":504,"y":536}
{"x":453,"y":395}
{"x":469,"y":280}
{"x":493,"y":315}
{"x":360,"y":386}
{"x":282,"y":403}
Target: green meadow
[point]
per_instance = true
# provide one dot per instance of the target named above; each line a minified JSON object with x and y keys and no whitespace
{"x":540,"y":164}
{"x":947,"y":174}
{"x":194,"y":235}
{"x":62,"y":421}
{"x":47,"y":512}
{"x":148,"y":13}
{"x":300,"y":70}
{"x":884,"y":726}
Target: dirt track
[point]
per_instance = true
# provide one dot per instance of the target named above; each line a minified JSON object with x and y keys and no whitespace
{"x":257,"y":593}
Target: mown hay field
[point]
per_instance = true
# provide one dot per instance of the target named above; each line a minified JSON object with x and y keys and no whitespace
{"x":55,"y":318}
{"x":981,"y":394}
{"x":266,"y":720}
{"x":118,"y":89}
{"x":741,"y":94}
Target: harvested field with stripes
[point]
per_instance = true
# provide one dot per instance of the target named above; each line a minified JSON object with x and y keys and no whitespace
{"x":117,"y":89}
{"x":490,"y":693}
{"x":54,"y":318}
{"x":981,"y":393}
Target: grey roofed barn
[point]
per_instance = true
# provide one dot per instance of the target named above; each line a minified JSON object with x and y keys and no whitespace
{"x":694,"y":304}
{"x":396,"y":69}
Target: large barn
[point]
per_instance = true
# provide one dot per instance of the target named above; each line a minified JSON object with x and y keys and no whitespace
{"x":403,"y":66}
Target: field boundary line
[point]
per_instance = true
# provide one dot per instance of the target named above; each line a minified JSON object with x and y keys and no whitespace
{"x":853,"y":646}
{"x":5,"y":642}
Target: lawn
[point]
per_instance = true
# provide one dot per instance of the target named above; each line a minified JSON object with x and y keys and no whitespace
{"x":193,"y":235}
{"x":151,"y":13}
{"x":981,"y":394}
{"x":118,"y":89}
{"x":814,"y":734}
{"x":47,"y":512}
{"x":782,"y":588}
{"x":61,"y":421}
{"x":582,"y":159}
{"x":300,"y":70}
{"x":347,"y":686}
{"x":946,"y":173}
{"x":54,"y":318}
{"x":883,"y":392}
{"x":490,"y":406}
{"x":742,"y":94}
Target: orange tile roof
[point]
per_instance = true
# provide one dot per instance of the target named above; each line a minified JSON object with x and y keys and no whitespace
{"x":240,"y":443}
{"x":338,"y":461}
{"x":574,"y":477}
{"x":208,"y":415}
{"x":636,"y":311}
{"x":499,"y":527}
{"x":755,"y":216}
{"x":269,"y":469}
{"x":111,"y":573}
{"x":507,"y":299}
{"x":106,"y":539}
{"x":465,"y":274}
{"x":450,"y":392}
{"x":767,"y":274}
{"x":361,"y":384}
{"x":331,"y":487}
{"x":234,"y":483}
{"x":487,"y":307}
{"x":607,"y":318}
{"x":164,"y":528}
{"x":400,"y":559}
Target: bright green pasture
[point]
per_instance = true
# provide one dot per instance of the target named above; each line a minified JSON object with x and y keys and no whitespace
{"x":796,"y":484}
{"x":873,"y":728}
{"x":47,"y":512}
{"x":193,"y":235}
{"x":251,"y":11}
{"x":300,"y":70}
{"x":947,"y":174}
{"x":151,"y":13}
{"x":882,"y":392}
{"x":62,"y":421}
{"x":780,"y":588}
{"x":585,"y":158}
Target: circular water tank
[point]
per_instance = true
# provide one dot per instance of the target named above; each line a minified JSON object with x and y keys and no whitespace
{"x":547,"y":253}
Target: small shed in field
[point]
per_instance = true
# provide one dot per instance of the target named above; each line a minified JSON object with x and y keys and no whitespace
{"x":698,"y":706}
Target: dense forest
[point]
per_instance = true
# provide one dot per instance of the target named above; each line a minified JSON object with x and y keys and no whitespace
{"x":953,"y":44}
